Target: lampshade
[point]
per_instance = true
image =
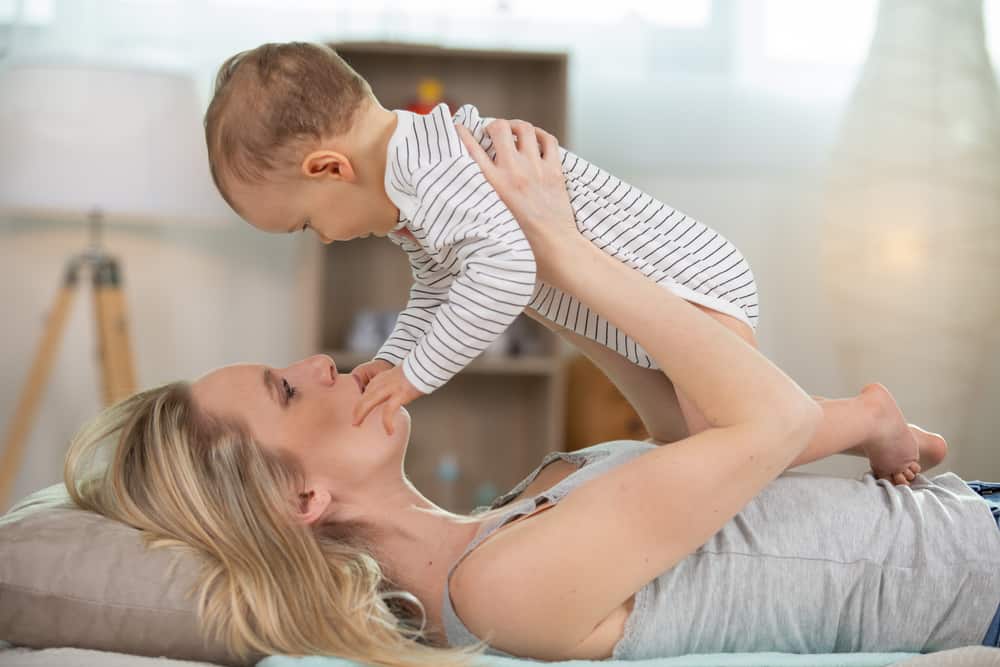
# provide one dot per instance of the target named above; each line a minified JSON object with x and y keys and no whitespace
{"x":912,"y":229}
{"x":126,"y":142}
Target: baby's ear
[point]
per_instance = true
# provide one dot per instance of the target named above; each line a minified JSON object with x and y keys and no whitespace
{"x":328,"y":164}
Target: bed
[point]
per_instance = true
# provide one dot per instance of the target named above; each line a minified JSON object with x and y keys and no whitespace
{"x":969,"y":656}
{"x":79,"y":589}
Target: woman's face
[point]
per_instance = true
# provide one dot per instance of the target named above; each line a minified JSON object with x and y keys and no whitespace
{"x":307,"y":409}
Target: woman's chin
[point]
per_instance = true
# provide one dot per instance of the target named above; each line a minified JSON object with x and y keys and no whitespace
{"x":402,"y":421}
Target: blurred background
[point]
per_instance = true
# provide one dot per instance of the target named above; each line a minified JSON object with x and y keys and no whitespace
{"x":849,"y":148}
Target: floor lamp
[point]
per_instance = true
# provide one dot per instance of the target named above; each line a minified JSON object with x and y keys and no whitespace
{"x":100,"y":146}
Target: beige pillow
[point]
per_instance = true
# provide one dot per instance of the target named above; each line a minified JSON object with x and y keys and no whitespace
{"x":74,"y":578}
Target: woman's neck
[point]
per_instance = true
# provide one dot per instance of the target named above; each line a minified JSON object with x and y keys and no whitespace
{"x":416,"y":548}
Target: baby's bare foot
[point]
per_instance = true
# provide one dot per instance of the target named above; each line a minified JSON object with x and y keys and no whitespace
{"x":933,"y":448}
{"x":896,"y":450}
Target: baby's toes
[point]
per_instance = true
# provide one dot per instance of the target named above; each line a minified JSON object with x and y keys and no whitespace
{"x":899,"y":478}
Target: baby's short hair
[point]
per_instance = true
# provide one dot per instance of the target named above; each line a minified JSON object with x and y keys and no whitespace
{"x":271,"y":99}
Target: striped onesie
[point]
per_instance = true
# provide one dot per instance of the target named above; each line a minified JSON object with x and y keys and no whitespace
{"x":474,"y":271}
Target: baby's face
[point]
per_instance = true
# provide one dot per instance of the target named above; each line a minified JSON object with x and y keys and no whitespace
{"x":332,"y":209}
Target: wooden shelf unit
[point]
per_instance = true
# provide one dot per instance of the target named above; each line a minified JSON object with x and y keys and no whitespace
{"x":493,"y":422}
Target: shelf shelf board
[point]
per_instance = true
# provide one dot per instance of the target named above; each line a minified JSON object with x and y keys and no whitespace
{"x":500,"y":365}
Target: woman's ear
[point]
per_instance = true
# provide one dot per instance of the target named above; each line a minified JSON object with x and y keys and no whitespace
{"x":326,"y":163}
{"x":312,"y":505}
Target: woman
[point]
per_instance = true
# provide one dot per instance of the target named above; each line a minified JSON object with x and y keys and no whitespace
{"x":311,"y":532}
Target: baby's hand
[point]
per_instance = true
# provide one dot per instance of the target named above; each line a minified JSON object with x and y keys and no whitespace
{"x":366,"y":371}
{"x":390,"y":387}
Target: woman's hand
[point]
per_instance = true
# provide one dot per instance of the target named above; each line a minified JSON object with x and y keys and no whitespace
{"x":528,"y":178}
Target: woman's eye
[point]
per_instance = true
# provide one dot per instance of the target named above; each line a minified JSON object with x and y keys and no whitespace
{"x":289,"y":389}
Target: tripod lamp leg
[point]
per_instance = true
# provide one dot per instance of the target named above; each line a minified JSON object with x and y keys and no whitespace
{"x":27,"y":405}
{"x":117,"y":369}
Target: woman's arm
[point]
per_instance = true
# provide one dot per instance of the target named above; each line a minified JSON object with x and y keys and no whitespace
{"x":625,"y":527}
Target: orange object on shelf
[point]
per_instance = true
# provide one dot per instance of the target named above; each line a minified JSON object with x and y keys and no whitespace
{"x":430,"y":93}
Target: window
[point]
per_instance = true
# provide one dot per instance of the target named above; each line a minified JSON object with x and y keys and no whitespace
{"x":26,"y":12}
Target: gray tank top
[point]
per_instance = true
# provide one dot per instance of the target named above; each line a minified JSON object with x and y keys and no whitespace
{"x":813,"y":564}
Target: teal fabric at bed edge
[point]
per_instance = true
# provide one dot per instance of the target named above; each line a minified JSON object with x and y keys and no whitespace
{"x":704,"y":660}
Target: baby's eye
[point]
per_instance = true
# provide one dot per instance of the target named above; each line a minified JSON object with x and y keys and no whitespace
{"x":289,"y":389}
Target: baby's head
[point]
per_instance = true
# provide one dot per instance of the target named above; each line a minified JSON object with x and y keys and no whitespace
{"x":280,"y":147}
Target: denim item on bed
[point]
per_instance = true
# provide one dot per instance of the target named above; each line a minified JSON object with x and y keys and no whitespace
{"x":990,"y":491}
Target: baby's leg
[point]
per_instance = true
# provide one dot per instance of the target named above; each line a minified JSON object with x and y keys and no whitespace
{"x":648,"y":390}
{"x":869,"y":424}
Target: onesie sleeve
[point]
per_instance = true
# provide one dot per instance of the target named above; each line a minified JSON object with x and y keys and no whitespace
{"x":482,"y":249}
{"x":413,"y":322}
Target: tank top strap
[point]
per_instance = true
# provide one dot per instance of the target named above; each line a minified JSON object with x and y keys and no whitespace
{"x":585,"y":457}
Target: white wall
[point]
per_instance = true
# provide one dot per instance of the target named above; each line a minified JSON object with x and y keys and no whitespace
{"x":709,"y":124}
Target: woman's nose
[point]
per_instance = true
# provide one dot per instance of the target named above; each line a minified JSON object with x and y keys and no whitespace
{"x":319,"y":367}
{"x":325,"y":367}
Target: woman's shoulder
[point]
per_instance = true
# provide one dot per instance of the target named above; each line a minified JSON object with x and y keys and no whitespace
{"x":487,"y":594}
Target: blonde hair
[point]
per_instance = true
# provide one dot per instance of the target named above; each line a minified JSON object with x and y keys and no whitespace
{"x":268,"y":583}
{"x":269,"y":100}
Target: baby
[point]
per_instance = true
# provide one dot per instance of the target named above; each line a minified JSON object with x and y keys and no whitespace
{"x":297,"y":140}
